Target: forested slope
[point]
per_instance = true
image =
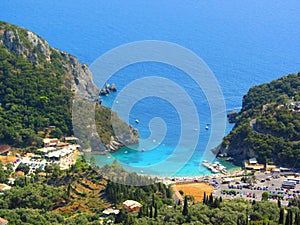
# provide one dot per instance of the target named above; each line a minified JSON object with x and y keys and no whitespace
{"x":268,"y":126}
{"x":37,"y":86}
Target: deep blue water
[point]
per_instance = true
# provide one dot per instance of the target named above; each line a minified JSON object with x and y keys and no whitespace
{"x":244,"y":43}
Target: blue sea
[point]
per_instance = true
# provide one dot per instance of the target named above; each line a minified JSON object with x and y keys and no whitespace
{"x":244,"y":43}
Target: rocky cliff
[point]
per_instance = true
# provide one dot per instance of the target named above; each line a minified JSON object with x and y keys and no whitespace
{"x":25,"y":43}
{"x":268,"y":126}
{"x":58,"y":80}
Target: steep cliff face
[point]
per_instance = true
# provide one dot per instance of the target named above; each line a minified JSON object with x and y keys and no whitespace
{"x":82,"y":79}
{"x":39,"y":84}
{"x":25,"y":43}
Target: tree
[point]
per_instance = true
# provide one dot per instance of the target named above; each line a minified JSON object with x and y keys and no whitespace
{"x":140,"y":214}
{"x":265,"y":196}
{"x":69,"y":190}
{"x":185,"y":206}
{"x":278,"y":203}
{"x":151,"y":211}
{"x":289,"y":216}
{"x":3,"y":175}
{"x":93,"y":162}
{"x":281,"y":216}
{"x":153,"y":200}
{"x":155,"y":211}
{"x":23,"y":167}
{"x":297,"y":218}
{"x":204,"y":198}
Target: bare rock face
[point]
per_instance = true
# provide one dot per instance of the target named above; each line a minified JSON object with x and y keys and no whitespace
{"x":82,"y":82}
{"x":239,"y":153}
{"x":41,"y":45}
{"x":12,"y":41}
{"x":79,"y":77}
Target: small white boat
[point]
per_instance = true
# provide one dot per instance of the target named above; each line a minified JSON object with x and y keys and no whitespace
{"x":136,"y":121}
{"x":126,"y":152}
{"x":206,"y":127}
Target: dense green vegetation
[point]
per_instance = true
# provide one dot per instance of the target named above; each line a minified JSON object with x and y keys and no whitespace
{"x":217,"y":212}
{"x":36,"y":96}
{"x":31,"y":99}
{"x":80,"y":194}
{"x":269,"y":122}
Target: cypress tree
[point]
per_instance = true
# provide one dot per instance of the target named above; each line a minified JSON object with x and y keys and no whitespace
{"x":153,"y":201}
{"x":216,"y":203}
{"x":281,"y":216}
{"x":204,"y":198}
{"x":247,"y":215}
{"x":147,"y":211}
{"x":185,"y":207}
{"x":297,"y":218}
{"x":211,"y":199}
{"x":288,"y":220}
{"x":151,"y":212}
{"x":155,"y":211}
{"x":140,"y":215}
{"x":169,"y":192}
{"x":279,"y":203}
{"x":69,"y":190}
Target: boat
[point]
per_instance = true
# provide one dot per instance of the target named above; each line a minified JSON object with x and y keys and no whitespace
{"x":126,"y":152}
{"x":206,"y":127}
{"x":136,"y":121}
{"x":229,"y":159}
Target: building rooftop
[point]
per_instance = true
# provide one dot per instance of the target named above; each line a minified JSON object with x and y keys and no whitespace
{"x":253,"y":161}
{"x":131,"y":205}
{"x":4,"y":148}
{"x":111,"y":211}
{"x":3,"y":220}
{"x":4,"y":187}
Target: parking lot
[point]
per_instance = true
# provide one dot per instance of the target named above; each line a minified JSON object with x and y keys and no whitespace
{"x":33,"y":163}
{"x":264,"y":182}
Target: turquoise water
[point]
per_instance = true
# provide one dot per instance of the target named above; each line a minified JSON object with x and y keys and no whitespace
{"x":244,"y":43}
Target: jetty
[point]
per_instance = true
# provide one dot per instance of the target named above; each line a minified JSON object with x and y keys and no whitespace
{"x":215,"y":167}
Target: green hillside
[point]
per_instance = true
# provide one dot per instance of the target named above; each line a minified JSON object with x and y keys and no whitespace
{"x":37,"y":85}
{"x":268,"y":126}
